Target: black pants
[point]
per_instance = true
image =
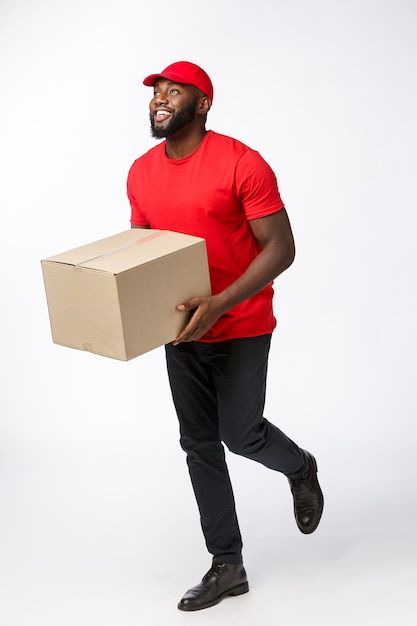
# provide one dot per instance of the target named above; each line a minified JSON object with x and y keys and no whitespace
{"x":219,"y":394}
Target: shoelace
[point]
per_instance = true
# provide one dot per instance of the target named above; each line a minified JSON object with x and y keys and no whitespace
{"x":300,"y":478}
{"x":215,"y":570}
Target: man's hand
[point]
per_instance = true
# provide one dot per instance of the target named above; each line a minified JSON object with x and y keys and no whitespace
{"x":207,"y":311}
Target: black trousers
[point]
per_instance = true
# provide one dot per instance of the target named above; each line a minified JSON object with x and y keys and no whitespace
{"x":219,"y":394}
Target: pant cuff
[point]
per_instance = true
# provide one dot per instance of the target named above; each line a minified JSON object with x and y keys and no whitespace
{"x":301,"y":470}
{"x":231,"y":559}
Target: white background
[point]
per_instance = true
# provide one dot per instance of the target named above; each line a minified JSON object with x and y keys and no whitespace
{"x":98,"y":522}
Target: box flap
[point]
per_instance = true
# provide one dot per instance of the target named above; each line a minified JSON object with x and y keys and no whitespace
{"x":127,"y":249}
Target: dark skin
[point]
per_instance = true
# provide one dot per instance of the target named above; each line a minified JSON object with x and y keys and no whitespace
{"x":273,"y":232}
{"x":173,"y":97}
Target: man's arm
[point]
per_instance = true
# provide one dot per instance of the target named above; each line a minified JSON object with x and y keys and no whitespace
{"x":274,"y":235}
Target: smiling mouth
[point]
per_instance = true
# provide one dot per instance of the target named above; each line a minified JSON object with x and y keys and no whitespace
{"x":161,"y":116}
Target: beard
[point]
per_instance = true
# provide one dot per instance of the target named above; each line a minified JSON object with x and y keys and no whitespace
{"x":176,"y":123}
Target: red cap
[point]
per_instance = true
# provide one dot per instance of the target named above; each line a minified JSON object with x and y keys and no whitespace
{"x":184,"y":72}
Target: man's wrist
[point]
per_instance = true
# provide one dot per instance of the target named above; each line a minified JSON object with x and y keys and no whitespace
{"x":222,"y":302}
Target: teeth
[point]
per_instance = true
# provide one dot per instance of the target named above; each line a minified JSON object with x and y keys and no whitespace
{"x":162,"y":114}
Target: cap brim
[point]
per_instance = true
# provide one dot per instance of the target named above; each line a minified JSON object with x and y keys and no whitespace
{"x":150,"y":80}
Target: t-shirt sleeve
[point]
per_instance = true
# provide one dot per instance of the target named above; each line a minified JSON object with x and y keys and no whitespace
{"x":257,"y":186}
{"x":137,"y":217}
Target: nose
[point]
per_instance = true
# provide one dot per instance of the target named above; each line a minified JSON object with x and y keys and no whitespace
{"x":160,"y":97}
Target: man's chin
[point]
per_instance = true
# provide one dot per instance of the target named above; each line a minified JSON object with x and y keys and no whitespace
{"x":159,"y":133}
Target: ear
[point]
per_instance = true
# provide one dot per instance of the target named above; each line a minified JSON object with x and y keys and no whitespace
{"x":204,"y":105}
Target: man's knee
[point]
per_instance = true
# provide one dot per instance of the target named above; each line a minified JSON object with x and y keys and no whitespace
{"x":246,"y":444}
{"x":198,"y":447}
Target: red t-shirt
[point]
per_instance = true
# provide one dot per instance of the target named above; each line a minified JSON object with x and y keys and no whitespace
{"x":212,"y":193}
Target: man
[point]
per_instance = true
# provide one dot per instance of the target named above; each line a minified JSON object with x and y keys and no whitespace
{"x":205,"y":184}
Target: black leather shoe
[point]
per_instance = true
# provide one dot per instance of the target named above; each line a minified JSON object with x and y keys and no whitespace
{"x":308,"y":497}
{"x":222,"y":579}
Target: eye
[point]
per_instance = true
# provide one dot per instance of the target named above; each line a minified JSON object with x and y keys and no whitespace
{"x":173,"y":90}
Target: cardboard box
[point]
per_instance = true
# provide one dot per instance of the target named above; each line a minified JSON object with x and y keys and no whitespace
{"x":117,"y":296}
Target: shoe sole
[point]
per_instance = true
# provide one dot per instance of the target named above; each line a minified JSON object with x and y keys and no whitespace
{"x":236,"y":591}
{"x":311,"y":530}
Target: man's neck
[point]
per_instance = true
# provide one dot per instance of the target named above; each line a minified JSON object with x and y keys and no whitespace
{"x":183,"y":143}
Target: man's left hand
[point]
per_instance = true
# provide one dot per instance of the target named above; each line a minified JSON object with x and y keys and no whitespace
{"x":207,"y":312}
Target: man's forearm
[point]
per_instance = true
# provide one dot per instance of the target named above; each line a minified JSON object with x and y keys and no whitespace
{"x":274,"y":236}
{"x":270,"y":263}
